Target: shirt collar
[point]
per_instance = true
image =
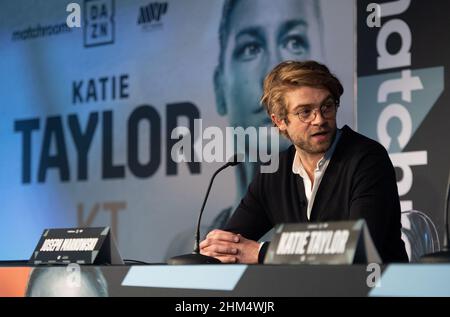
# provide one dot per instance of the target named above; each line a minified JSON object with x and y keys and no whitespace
{"x":297,"y":167}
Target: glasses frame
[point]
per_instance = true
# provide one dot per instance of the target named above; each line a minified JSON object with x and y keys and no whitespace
{"x":317,"y":109}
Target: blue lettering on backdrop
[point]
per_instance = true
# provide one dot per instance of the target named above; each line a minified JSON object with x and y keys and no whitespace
{"x":57,"y":128}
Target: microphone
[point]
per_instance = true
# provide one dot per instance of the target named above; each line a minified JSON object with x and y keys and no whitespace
{"x":195,"y":257}
{"x":443,"y":256}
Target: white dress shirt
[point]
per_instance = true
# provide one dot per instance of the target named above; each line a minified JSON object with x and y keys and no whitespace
{"x":312,"y":187}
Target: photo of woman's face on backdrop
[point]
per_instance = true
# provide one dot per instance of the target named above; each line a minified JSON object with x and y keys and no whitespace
{"x":256,"y":35}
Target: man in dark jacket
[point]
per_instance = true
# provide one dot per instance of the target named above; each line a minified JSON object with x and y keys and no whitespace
{"x":328,"y":174}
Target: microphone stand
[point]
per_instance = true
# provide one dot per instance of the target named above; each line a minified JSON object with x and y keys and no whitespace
{"x":195,"y":257}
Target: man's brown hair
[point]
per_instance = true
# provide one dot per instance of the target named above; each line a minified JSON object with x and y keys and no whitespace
{"x":289,"y":75}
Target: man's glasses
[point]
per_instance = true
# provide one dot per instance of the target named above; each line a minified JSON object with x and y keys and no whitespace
{"x":327,"y":110}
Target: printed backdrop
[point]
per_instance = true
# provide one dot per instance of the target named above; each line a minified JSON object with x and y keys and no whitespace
{"x":86,"y":113}
{"x":402,"y":97}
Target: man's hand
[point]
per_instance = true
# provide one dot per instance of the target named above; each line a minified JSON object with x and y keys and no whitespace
{"x":229,"y":247}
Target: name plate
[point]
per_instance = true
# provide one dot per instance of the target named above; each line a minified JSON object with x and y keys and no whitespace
{"x":76,"y":245}
{"x":340,"y":242}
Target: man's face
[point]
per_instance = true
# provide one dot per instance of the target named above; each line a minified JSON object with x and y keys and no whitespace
{"x":263,"y":33}
{"x":316,"y":136}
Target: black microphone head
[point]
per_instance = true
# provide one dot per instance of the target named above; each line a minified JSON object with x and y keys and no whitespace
{"x":236,"y":159}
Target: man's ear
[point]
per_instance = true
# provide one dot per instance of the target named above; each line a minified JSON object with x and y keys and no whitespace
{"x":218,"y":90}
{"x":280,"y":123}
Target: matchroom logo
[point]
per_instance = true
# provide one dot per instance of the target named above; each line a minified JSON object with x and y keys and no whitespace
{"x":98,"y":22}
